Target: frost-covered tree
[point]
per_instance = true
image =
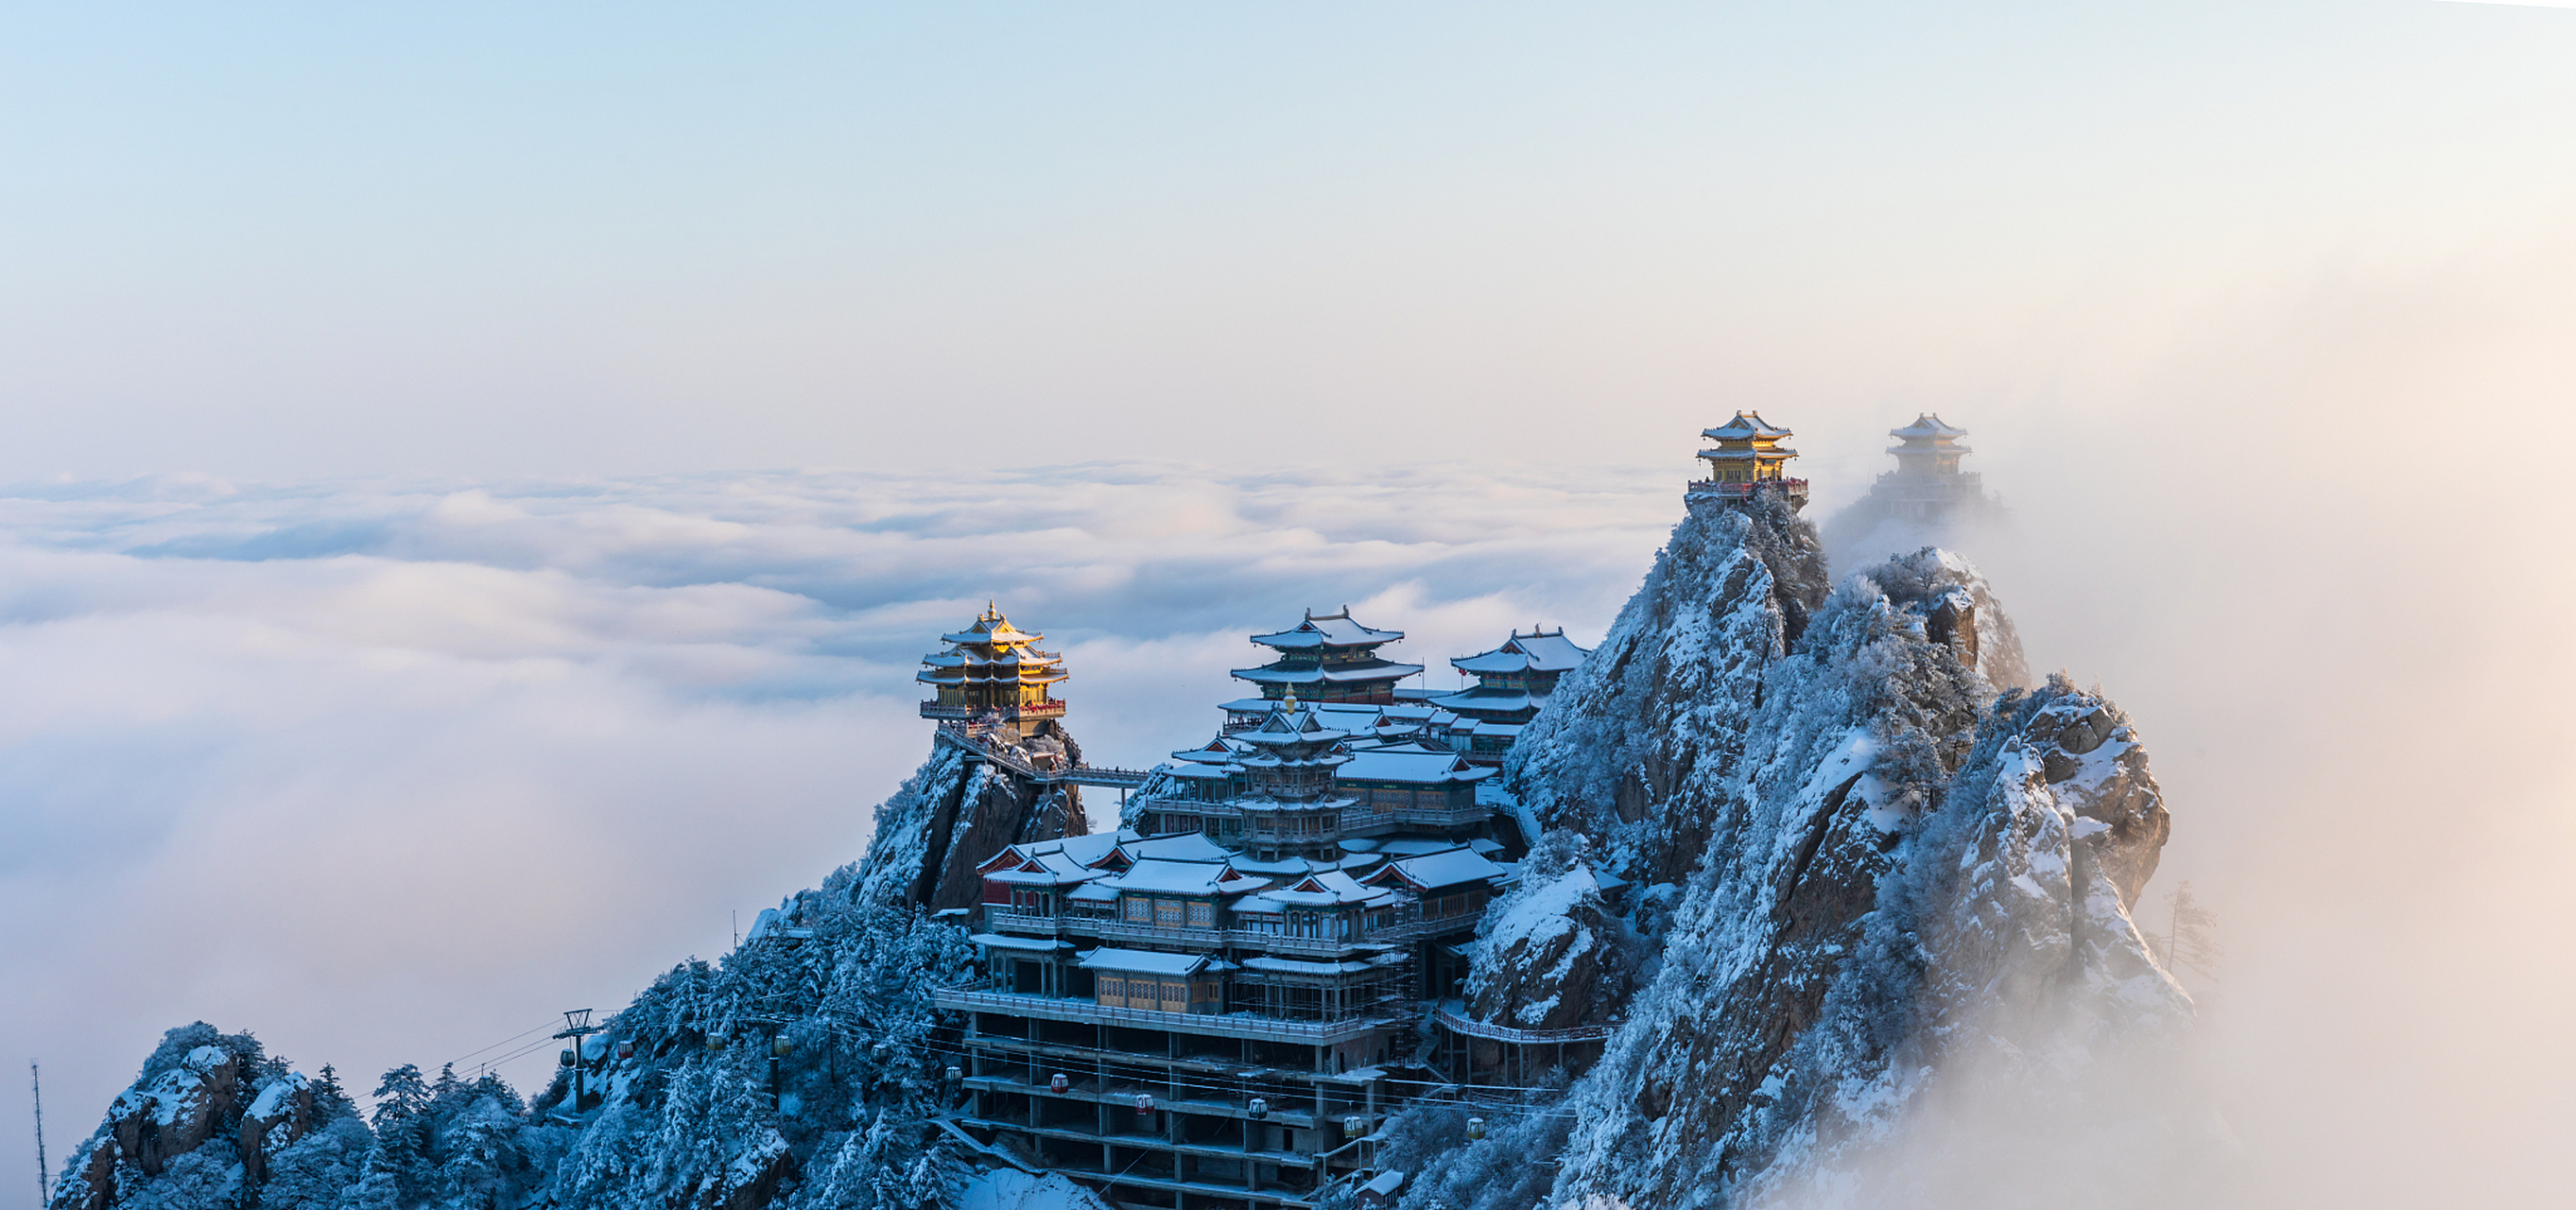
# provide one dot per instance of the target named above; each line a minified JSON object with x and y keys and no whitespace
{"x":2190,"y":940}
{"x":317,"y":1171}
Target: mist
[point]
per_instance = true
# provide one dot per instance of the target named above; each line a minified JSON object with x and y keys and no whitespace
{"x":480,"y":482}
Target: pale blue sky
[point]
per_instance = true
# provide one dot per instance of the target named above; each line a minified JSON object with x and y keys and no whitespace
{"x":459,"y":239}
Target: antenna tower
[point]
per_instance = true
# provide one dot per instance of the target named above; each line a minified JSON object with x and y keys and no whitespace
{"x":44,"y":1171}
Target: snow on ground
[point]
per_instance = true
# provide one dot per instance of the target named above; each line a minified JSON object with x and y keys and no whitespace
{"x":1011,"y":1189}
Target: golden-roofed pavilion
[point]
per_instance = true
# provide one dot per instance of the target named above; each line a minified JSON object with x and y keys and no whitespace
{"x":993,"y":673}
{"x":1749,"y":459}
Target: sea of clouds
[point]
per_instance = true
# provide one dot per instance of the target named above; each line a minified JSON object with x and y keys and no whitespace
{"x":390,"y":771}
{"x":386,"y":771}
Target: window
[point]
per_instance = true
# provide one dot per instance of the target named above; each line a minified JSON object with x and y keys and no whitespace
{"x":1202,"y":915}
{"x":1167,"y":913}
{"x":1176,"y":996}
{"x":1113,"y":989}
{"x":1139,"y":909}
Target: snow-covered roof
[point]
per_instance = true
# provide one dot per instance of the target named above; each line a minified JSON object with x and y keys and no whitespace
{"x":1495,"y":701}
{"x":1302,"y":725}
{"x":989,"y":628}
{"x":1374,"y":670}
{"x":1415,"y":846}
{"x":1777,"y":453}
{"x":1182,"y":878}
{"x":1434,"y":871}
{"x":1150,"y":962}
{"x":1745,"y":427}
{"x":1331,"y":888}
{"x":1047,"y":867}
{"x":1172,"y":877}
{"x":1929,"y":426}
{"x":1179,"y":846}
{"x":1285,"y":867}
{"x":1533,"y":652}
{"x":1328,"y":630}
{"x":1214,"y":752}
{"x":992,"y":674}
{"x":988,"y":652}
{"x":1005,"y":941}
{"x":1410,"y":763}
{"x":1291,"y":966}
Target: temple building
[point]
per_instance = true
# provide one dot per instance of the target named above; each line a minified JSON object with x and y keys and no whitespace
{"x":1749,"y":459}
{"x":1309,"y":779}
{"x":1329,"y":658}
{"x":1218,"y":1006}
{"x":1512,"y":682}
{"x":1926,"y":501}
{"x":993,"y":675}
{"x":1927,"y":483}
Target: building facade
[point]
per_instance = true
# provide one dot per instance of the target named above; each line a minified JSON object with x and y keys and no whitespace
{"x":1329,"y":658}
{"x":1512,"y":682}
{"x":993,"y":675}
{"x":1927,"y":484}
{"x":1747,"y":460}
{"x":1218,"y":1006}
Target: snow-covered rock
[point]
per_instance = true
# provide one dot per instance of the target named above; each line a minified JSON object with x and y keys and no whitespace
{"x":956,"y":811}
{"x":1893,"y":854}
{"x":1551,"y":954}
{"x":1009,"y":1189}
{"x":1636,"y":747}
{"x":207,"y":1103}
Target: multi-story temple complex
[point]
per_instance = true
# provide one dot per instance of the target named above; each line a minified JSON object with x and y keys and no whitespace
{"x":993,"y":673}
{"x":1512,"y":682}
{"x":1747,"y":460}
{"x":1216,"y":1006}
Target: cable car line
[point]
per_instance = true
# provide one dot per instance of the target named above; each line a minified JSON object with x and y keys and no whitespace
{"x":497,"y":1045}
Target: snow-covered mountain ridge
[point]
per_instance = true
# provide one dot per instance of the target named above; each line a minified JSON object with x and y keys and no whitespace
{"x":1850,"y":859}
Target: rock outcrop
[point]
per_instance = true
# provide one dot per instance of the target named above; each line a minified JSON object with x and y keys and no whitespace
{"x":206,"y":1102}
{"x":1861,"y":863}
{"x":959,"y":809}
{"x":1552,"y":954}
{"x":1634,"y":745}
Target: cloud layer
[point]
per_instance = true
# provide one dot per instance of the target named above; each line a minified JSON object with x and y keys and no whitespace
{"x":389,"y":771}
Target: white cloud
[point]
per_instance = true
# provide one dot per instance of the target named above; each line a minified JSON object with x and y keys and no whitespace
{"x":386,"y":771}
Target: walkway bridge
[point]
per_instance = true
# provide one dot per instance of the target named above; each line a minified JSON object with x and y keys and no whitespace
{"x":978,"y":742}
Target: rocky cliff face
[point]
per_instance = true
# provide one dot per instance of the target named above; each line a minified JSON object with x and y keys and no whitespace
{"x":958,"y":810}
{"x":1856,"y":863}
{"x":1633,"y":745}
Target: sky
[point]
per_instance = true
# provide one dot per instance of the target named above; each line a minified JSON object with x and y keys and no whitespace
{"x":478,"y":479}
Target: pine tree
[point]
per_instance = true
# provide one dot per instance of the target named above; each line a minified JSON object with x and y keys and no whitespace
{"x":400,"y":1166}
{"x":329,"y":1099}
{"x":2190,"y":941}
